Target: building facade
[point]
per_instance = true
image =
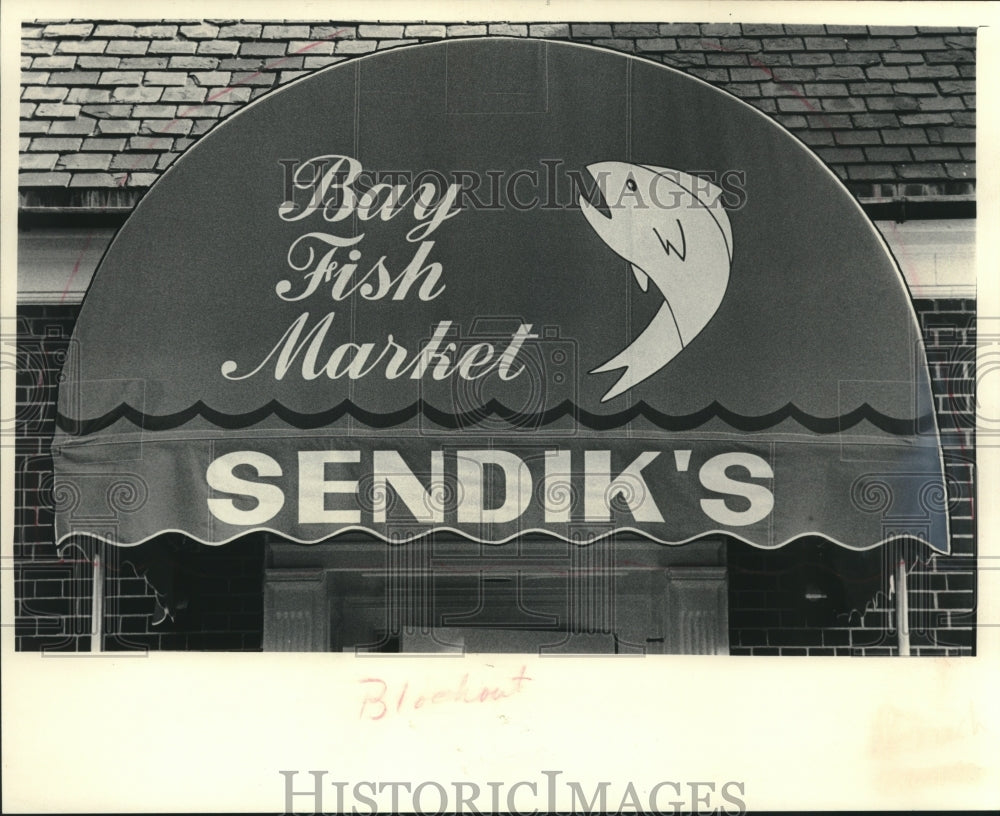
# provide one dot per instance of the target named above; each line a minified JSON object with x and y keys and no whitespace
{"x":107,"y":106}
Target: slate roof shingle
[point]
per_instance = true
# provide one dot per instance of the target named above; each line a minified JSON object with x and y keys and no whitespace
{"x":111,"y":104}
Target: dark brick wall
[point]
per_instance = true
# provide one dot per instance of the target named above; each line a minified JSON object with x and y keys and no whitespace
{"x":109,"y":105}
{"x":53,"y":594}
{"x":769,"y":613}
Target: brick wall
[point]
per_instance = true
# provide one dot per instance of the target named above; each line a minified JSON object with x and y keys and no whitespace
{"x":53,"y":594}
{"x":109,"y":105}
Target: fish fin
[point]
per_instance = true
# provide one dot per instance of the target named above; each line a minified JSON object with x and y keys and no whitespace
{"x":670,"y":247}
{"x":640,"y":277}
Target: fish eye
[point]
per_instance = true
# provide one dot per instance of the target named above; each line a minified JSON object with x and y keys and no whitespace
{"x":631,"y":185}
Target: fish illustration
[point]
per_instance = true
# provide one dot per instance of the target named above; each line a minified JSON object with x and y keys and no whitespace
{"x":672,"y":228}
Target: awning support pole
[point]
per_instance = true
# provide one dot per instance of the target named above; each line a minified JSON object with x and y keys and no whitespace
{"x":97,"y":604}
{"x":902,"y":610}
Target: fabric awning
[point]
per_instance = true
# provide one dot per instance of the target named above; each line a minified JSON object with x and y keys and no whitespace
{"x":499,"y":287}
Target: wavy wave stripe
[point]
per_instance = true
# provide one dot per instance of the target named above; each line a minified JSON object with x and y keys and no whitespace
{"x":64,"y":539}
{"x":496,"y":410}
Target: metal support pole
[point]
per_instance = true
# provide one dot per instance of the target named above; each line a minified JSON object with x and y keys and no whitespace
{"x":902,"y":610}
{"x":97,"y":604}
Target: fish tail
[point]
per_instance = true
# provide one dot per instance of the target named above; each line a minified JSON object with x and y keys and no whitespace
{"x":656,"y":346}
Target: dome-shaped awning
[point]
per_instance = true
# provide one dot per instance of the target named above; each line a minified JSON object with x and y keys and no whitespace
{"x":499,"y":287}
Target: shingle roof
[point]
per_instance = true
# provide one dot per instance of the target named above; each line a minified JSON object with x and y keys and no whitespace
{"x":109,"y":105}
